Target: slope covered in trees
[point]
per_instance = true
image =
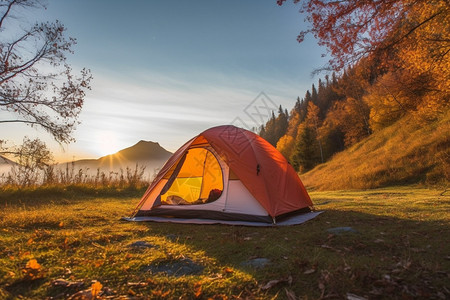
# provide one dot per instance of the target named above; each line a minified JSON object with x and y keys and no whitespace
{"x":352,"y":111}
{"x":391,"y":66}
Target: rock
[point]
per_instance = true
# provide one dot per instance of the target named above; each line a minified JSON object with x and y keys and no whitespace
{"x":256,"y":263}
{"x":339,"y":230}
{"x":142,"y":244}
{"x":177,"y":268}
{"x":172,"y":237}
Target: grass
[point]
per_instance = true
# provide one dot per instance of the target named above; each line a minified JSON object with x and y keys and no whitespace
{"x":393,"y":244}
{"x":407,"y":152}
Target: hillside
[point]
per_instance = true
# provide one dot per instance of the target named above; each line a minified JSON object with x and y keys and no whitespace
{"x":403,"y":153}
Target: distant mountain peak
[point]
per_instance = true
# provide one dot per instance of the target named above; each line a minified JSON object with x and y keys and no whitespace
{"x":142,"y":150}
{"x":146,"y":142}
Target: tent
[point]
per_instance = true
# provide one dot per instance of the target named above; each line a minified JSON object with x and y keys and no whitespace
{"x":226,"y":175}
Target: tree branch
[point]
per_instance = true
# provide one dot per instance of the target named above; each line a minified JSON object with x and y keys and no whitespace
{"x":7,"y":12}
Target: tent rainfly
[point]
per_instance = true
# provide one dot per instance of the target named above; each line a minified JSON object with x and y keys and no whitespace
{"x":226,"y":175}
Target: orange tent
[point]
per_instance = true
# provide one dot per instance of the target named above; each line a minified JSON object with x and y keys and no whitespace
{"x":228,"y":175}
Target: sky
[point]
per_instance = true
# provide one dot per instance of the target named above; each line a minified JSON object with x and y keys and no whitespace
{"x":164,"y":71}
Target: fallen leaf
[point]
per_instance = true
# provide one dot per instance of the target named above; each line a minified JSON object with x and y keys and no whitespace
{"x":354,"y":297}
{"x":290,"y":295}
{"x":138,"y":284}
{"x":98,"y":263}
{"x":160,"y":293}
{"x":33,"y":264}
{"x":26,"y":253}
{"x":96,"y":287}
{"x":274,"y":282}
{"x":198,"y":289}
{"x":82,"y":295}
{"x":270,"y":284}
{"x":417,"y":250}
{"x":67,"y":283}
{"x":310,"y":271}
{"x":131,"y":292}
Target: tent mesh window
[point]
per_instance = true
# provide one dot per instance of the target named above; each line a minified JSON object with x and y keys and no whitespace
{"x":198,"y":181}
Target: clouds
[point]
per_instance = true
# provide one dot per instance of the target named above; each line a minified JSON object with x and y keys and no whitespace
{"x":165,"y":71}
{"x":168,"y":109}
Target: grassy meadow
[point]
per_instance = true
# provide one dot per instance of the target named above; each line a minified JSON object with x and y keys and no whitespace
{"x":389,"y":243}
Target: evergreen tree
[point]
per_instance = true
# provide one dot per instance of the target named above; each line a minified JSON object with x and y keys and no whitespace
{"x":281,"y":124}
{"x":314,"y":95}
{"x":305,"y":156}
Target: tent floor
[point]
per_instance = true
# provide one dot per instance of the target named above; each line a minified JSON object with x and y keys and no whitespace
{"x":294,"y":220}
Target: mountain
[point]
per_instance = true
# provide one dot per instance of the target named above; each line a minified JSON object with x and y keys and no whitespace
{"x":143,"y":154}
{"x":141,"y":151}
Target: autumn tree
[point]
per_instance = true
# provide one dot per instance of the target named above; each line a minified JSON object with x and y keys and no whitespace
{"x":32,"y":158}
{"x":418,"y":80}
{"x":410,"y":39}
{"x":313,"y":122}
{"x":354,"y":29}
{"x":37,"y":85}
{"x":350,"y":115}
{"x":297,"y":115}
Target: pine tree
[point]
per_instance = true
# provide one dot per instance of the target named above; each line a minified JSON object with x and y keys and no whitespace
{"x":305,"y":156}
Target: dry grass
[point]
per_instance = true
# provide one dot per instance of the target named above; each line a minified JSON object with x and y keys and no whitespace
{"x":395,"y":249}
{"x":20,"y":177}
{"x":404,"y":153}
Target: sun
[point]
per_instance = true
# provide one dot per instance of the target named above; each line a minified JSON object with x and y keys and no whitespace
{"x":107,"y":143}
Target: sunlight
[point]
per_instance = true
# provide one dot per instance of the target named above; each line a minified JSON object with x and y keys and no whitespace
{"x":107,"y":143}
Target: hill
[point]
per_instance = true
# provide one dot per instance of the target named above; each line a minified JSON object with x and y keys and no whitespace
{"x":406,"y":152}
{"x":144,"y":153}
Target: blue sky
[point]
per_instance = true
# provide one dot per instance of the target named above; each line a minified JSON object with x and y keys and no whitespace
{"x":166,"y":70}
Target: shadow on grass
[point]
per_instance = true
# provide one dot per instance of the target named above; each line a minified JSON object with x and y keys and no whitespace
{"x":380,"y":257}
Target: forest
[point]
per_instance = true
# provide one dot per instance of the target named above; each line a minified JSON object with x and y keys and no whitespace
{"x":402,"y":71}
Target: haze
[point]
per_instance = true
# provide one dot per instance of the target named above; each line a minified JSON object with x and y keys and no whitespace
{"x":166,"y":70}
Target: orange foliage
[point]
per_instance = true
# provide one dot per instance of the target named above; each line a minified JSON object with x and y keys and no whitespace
{"x":286,"y":145}
{"x":96,"y":288}
{"x":354,"y":29}
{"x":350,"y":117}
{"x":32,"y":270}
